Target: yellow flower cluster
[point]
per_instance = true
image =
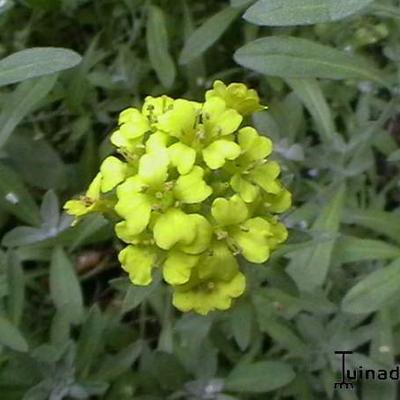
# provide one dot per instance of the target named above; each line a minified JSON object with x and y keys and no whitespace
{"x":193,"y":191}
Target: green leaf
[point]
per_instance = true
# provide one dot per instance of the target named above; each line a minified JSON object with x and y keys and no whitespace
{"x":265,"y":303}
{"x":196,"y":68}
{"x":45,"y":172}
{"x":65,"y":289}
{"x":78,"y":86}
{"x":14,"y":197}
{"x":309,"y":267}
{"x":50,"y":210}
{"x":113,"y":366}
{"x":167,"y":370}
{"x":85,"y":231}
{"x":241,"y":321}
{"x":374,"y":291}
{"x":16,"y":288}
{"x":290,"y":57}
{"x":11,"y":337}
{"x":382,"y":339}
{"x":52,"y":225}
{"x":353,"y":249}
{"x":135,"y":295}
{"x":31,"y":63}
{"x":311,"y":95}
{"x":60,"y":328}
{"x":90,"y":341}
{"x":259,"y":377}
{"x":157,"y":46}
{"x":41,"y":391}
{"x":301,"y":12}
{"x":207,"y":34}
{"x":283,"y":335}
{"x":21,"y":102}
{"x":386,"y":223}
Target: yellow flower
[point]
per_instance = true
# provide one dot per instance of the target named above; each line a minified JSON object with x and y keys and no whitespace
{"x":214,"y":281}
{"x":191,"y":190}
{"x":88,"y":203}
{"x":254,"y":238}
{"x":138,"y":262}
{"x":236,"y":96}
{"x":205,"y":130}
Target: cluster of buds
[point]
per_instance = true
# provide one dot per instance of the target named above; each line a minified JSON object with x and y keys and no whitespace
{"x":191,"y":190}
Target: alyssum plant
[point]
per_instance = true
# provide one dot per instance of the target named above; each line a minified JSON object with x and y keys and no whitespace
{"x":191,"y":190}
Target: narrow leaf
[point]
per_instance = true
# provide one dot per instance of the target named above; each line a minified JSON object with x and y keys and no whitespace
{"x":22,"y":101}
{"x":64,"y":286}
{"x":207,"y":34}
{"x":259,"y":377}
{"x":90,"y":340}
{"x":11,"y":337}
{"x":375,"y":291}
{"x":16,"y":286}
{"x":114,"y":366}
{"x":290,"y":57}
{"x":310,"y":93}
{"x":309,"y":267}
{"x":301,"y":12}
{"x":353,"y":249}
{"x":157,"y":46}
{"x":384,"y":222}
{"x":31,"y":63}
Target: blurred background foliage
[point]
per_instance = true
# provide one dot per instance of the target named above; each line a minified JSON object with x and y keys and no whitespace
{"x":72,"y":326}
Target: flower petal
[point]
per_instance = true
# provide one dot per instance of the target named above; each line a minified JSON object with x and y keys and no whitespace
{"x":254,"y":146}
{"x":182,"y":157}
{"x":178,"y":266}
{"x":218,"y":120}
{"x":133,"y":123}
{"x":203,"y":234}
{"x":113,"y":171}
{"x":280,"y":202}
{"x":153,"y":167}
{"x":123,"y":232}
{"x":279,"y":234}
{"x":153,"y":107}
{"x":219,"y":151}
{"x":248,"y":192}
{"x":135,"y":208}
{"x":265,"y":176}
{"x":93,"y":191}
{"x":133,"y":146}
{"x":173,"y":228}
{"x":218,"y":264}
{"x":212,"y":285}
{"x":252,"y":238}
{"x":180,"y":120}
{"x":158,"y":140}
{"x":191,"y":188}
{"x":88,"y":203}
{"x":229,"y":211}
{"x":77,"y":208}
{"x":138,"y":263}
